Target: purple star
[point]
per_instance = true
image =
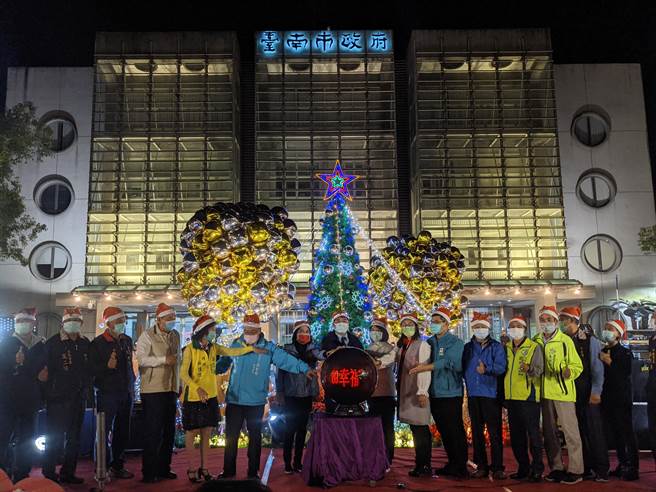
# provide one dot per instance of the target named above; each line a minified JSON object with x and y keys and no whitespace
{"x":337,"y":182}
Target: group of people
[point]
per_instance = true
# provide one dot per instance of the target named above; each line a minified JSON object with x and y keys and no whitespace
{"x":564,"y":378}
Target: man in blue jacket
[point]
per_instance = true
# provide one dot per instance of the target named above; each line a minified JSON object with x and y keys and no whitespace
{"x":247,"y":394}
{"x":483,"y":361}
{"x":446,"y":392}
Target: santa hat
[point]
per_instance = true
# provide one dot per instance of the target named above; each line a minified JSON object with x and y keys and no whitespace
{"x":572,"y":312}
{"x":340,"y":314}
{"x":481,"y":319}
{"x":163,"y":310}
{"x":618,"y":324}
{"x":251,"y":321}
{"x":72,"y":313}
{"x":26,"y":314}
{"x":380,"y":322}
{"x":518,"y":318}
{"x":444,"y":313}
{"x":112,"y":313}
{"x":299,"y":323}
{"x":411,"y":316}
{"x":550,"y":311}
{"x":203,"y":322}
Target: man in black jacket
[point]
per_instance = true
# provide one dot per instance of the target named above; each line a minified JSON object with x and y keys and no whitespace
{"x":66,"y":390}
{"x":340,"y":336}
{"x":110,"y":358}
{"x":22,"y":368}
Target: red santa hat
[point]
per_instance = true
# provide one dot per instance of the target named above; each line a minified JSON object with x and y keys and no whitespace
{"x":163,"y":310}
{"x":618,"y":324}
{"x":573,"y":312}
{"x":72,"y":313}
{"x":112,"y":313}
{"x":299,"y":323}
{"x":380,"y":321}
{"x":203,"y":322}
{"x":518,"y":318}
{"x":550,"y":311}
{"x":480,"y":319}
{"x":411,"y":316}
{"x":340,"y":314}
{"x":251,"y":321}
{"x":444,"y":313}
{"x":26,"y":314}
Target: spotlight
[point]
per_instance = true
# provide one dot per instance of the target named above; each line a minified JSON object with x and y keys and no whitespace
{"x":40,"y":443}
{"x":108,"y":297}
{"x":547,"y":290}
{"x":169,"y":296}
{"x":577,"y":291}
{"x":138,"y":296}
{"x":517,"y":291}
{"x":76,"y":297}
{"x":487,"y":292}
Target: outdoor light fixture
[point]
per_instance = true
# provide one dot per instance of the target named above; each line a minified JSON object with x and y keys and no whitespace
{"x":169,"y":296}
{"x":517,"y":291}
{"x":487,"y":292}
{"x":138,"y":296}
{"x":40,"y":443}
{"x":577,"y":291}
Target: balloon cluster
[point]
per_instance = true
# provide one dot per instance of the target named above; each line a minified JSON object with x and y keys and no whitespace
{"x":237,"y":259}
{"x":429,"y":269}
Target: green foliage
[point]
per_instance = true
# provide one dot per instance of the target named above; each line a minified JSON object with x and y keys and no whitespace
{"x":647,"y":239}
{"x":22,"y":138}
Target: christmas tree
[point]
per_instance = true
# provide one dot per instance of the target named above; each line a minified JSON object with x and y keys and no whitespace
{"x":338,"y":283}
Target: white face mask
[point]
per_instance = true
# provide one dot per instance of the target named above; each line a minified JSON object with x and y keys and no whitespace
{"x":251,"y":339}
{"x":516,"y":333}
{"x":481,"y":333}
{"x":72,"y":326}
{"x":548,"y":328}
{"x":341,"y":328}
{"x":23,"y":328}
{"x":376,"y":336}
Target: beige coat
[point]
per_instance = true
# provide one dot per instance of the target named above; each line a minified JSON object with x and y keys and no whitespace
{"x":152,"y":348}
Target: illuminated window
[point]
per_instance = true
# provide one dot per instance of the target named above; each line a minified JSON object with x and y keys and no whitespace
{"x":50,"y":261}
{"x":602,"y":253}
{"x":596,"y":188}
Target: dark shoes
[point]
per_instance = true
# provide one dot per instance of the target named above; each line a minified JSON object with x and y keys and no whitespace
{"x":480,"y":473}
{"x":499,"y":475}
{"x":421,"y":472}
{"x":121,"y":474}
{"x":168,"y":476}
{"x":149,"y":480}
{"x":535,"y":477}
{"x":556,"y":476}
{"x":571,"y":479}
{"x":225,"y":476}
{"x":71,"y":479}
{"x":519,"y":476}
{"x":288,"y":470}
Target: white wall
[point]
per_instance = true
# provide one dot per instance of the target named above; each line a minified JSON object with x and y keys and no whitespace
{"x":69,"y":90}
{"x":617,"y":89}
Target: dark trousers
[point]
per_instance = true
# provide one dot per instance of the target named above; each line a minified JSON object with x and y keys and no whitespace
{"x":486,"y":412}
{"x":651,"y":419}
{"x":447,"y":414}
{"x":118,"y":412}
{"x":619,"y":419}
{"x":385,"y":408}
{"x":524,"y":423}
{"x":159,"y":432}
{"x":297,"y":412}
{"x":235,"y":416}
{"x":20,"y":428}
{"x":593,"y":438}
{"x":423,"y":445}
{"x":63,"y":424}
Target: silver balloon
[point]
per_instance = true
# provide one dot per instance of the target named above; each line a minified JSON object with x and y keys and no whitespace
{"x":293,"y":268}
{"x":227,"y":269}
{"x":266,"y":274}
{"x":292,"y":290}
{"x":260,"y":308}
{"x":230,"y":288}
{"x":391,"y":315}
{"x":212,"y":293}
{"x":260,"y":253}
{"x":190,"y":266}
{"x":195,"y":225}
{"x":416,"y":271}
{"x":272,"y":258}
{"x":334,"y":249}
{"x":259,"y":291}
{"x":238,"y":238}
{"x":368,"y":316}
{"x":328,"y":269}
{"x":238,"y":312}
{"x":221,"y":249}
{"x":229,"y":223}
{"x":198,"y":302}
{"x":282,"y":290}
{"x":348,"y":250}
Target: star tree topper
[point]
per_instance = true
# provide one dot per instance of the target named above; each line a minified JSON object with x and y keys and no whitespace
{"x":337,"y":182}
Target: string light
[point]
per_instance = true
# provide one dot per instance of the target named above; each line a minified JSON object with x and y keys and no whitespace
{"x":577,"y":291}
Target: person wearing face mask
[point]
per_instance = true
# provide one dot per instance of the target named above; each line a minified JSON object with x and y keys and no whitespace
{"x":340,"y":336}
{"x":200,"y":407}
{"x":247,"y":393}
{"x":66,"y":390}
{"x":110,"y":359}
{"x":617,"y":400}
{"x":23,"y":368}
{"x":446,"y":392}
{"x":588,"y":396}
{"x":522,"y":393}
{"x":562,"y":365}
{"x":483,"y":361}
{"x":412,"y":389}
{"x":295,"y":393}
{"x":158,"y":354}
{"x":382,"y":402}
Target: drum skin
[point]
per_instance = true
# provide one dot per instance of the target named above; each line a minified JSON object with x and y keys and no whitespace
{"x":349,"y":376}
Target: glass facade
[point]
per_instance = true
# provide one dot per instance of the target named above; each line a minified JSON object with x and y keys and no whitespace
{"x":164,"y":144}
{"x":315,"y":109}
{"x":484,"y":150}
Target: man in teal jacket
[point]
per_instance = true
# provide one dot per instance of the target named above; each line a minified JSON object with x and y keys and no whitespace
{"x":446,"y":392}
{"x":247,"y":394}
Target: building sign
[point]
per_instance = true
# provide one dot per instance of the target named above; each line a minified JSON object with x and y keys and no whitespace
{"x":306,"y":43}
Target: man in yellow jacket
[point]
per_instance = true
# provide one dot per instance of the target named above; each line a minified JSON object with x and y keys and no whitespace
{"x":562,"y":365}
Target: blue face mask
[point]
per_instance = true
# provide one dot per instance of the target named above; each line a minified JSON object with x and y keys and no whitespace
{"x":170,"y":325}
{"x":608,"y":336}
{"x":119,"y":328}
{"x":211,"y":336}
{"x":436,"y":328}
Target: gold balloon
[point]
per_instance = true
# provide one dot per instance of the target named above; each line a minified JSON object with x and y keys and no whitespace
{"x":242,"y":256}
{"x":199,"y":244}
{"x":257,"y":232}
{"x":424,"y":237}
{"x":286,"y":259}
{"x":212,"y":235}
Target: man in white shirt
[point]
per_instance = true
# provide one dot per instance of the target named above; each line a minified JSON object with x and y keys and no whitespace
{"x":158,"y":353}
